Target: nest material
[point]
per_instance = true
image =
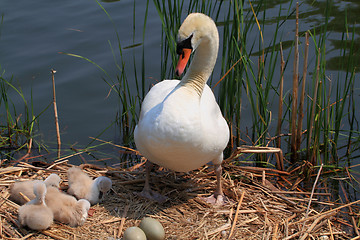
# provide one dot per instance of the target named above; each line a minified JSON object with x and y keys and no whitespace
{"x":253,"y":211}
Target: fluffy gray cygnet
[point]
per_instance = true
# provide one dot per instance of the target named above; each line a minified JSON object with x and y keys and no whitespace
{"x":35,"y":214}
{"x":84,"y":187}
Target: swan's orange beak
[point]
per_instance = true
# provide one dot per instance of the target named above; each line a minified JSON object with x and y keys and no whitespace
{"x":184,"y":58}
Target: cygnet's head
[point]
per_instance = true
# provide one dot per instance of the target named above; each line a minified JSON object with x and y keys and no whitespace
{"x":40,"y":192}
{"x":53,"y":180}
{"x":104,"y":184}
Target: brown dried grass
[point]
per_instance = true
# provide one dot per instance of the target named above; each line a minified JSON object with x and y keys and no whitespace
{"x":256,"y":209}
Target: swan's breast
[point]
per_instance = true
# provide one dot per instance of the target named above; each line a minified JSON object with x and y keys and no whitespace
{"x":181,"y":132}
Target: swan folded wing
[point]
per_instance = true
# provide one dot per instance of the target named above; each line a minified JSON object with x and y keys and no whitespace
{"x":215,"y":128}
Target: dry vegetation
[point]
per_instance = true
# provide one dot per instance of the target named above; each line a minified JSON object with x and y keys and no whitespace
{"x":256,"y":208}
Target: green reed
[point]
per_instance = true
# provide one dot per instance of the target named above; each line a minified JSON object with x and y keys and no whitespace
{"x":251,"y":80}
{"x":17,"y":128}
{"x":248,"y":79}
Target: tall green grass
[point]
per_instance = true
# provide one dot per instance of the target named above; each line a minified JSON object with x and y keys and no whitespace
{"x":249,"y":65}
{"x":328,"y":100}
{"x":17,"y":127}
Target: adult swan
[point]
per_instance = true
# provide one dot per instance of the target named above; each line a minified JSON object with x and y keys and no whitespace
{"x":181,"y":126}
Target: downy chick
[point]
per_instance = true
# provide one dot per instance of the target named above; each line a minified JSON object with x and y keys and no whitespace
{"x":66,"y":208}
{"x":83,"y":187}
{"x":27,"y":187}
{"x":35,"y":214}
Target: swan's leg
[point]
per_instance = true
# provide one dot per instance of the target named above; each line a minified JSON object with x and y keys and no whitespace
{"x":218,"y":191}
{"x":148,"y":167}
{"x":217,"y":198}
{"x":147,"y":192}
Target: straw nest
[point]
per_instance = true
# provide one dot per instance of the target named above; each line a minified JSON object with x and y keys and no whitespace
{"x":256,"y":209}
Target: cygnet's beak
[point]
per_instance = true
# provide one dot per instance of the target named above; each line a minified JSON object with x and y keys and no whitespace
{"x":101,"y":195}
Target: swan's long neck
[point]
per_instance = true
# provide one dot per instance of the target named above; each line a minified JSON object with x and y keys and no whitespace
{"x":202,"y":63}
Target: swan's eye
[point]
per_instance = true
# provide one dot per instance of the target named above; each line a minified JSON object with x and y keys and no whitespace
{"x":184,"y":44}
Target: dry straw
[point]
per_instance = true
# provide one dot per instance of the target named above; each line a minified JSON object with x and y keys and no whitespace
{"x":254,"y":210}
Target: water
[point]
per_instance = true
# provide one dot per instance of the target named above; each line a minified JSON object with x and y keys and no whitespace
{"x":33,"y":34}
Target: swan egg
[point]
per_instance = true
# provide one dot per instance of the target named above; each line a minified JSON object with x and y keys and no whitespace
{"x":152,"y":229}
{"x":134,"y":233}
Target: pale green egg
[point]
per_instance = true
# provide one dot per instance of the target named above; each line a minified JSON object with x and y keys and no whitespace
{"x":152,"y":229}
{"x":134,"y":233}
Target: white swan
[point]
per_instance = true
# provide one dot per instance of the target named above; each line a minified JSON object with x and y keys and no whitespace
{"x":35,"y":214}
{"x":84,"y":187}
{"x":181,"y":126}
{"x":27,"y":188}
{"x":66,"y":208}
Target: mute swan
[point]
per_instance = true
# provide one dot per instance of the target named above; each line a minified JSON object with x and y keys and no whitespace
{"x":27,"y":188}
{"x":181,"y":126}
{"x":35,"y":214}
{"x":66,"y":208}
{"x":82,"y":186}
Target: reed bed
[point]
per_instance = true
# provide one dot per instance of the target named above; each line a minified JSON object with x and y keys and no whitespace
{"x":255,"y":209}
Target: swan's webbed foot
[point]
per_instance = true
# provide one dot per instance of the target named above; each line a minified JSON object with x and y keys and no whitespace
{"x":216,"y":200}
{"x":147,"y":192}
{"x":152,"y":195}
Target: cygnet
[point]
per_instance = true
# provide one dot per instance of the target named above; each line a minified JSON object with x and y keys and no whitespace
{"x":66,"y":208}
{"x":27,"y":187}
{"x":83,"y":187}
{"x":35,"y":214}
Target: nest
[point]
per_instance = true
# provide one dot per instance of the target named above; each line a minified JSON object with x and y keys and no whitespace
{"x":255,"y":208}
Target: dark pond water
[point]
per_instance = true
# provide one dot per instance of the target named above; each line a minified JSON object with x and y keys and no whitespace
{"x":34,"y":32}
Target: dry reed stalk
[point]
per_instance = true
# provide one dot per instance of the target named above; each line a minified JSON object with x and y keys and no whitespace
{"x":313,"y":225}
{"x":351,"y":213}
{"x":224,"y":227}
{"x":281,"y":92}
{"x":280,"y":160}
{"x":227,"y":72}
{"x":116,"y":145}
{"x":330,"y":229}
{"x":301,"y":193}
{"x":295,"y":89}
{"x":27,"y":154}
{"x":302,"y":95}
{"x":52,"y":235}
{"x":9,"y":203}
{"x":260,"y":169}
{"x":56,"y":113}
{"x":312,"y":116}
{"x":324,"y":213}
{"x":312,"y":194}
{"x":236,"y":214}
{"x":11,"y":169}
{"x":254,"y":149}
{"x":24,"y":197}
{"x":57,"y":163}
{"x":275,"y":233}
{"x":123,"y":218}
{"x":1,"y":226}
